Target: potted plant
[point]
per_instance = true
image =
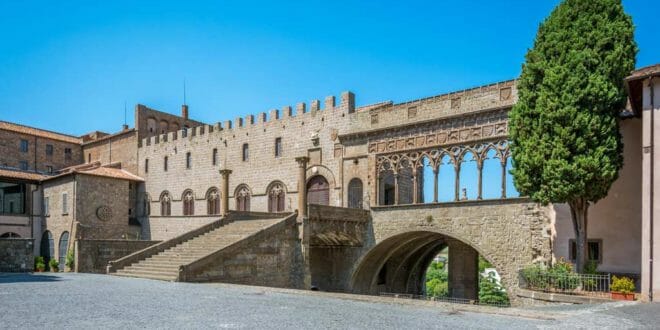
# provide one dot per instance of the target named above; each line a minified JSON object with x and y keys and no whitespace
{"x":39,"y":264}
{"x":54,"y":265}
{"x":70,"y":260}
{"x":622,"y":288}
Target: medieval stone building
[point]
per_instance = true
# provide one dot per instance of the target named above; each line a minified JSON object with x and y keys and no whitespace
{"x":388,"y":186}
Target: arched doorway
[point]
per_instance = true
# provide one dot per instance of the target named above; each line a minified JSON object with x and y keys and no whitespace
{"x":355,"y":193}
{"x":318,"y":191}
{"x":63,"y":249}
{"x":10,"y":235}
{"x":47,"y":246}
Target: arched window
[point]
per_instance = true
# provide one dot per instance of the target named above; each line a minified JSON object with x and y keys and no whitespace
{"x":318,"y":191}
{"x":146,"y":204}
{"x":212,"y":201}
{"x":355,"y":193}
{"x":163,"y":126}
{"x":151,"y":125}
{"x":242,"y":198}
{"x":10,"y":235}
{"x":276,"y":196}
{"x":64,"y":248}
{"x":188,"y":199}
{"x":47,"y":246}
{"x":165,"y":204}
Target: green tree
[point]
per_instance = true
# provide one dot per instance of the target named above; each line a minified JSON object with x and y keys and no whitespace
{"x":491,"y":292}
{"x":565,"y":139}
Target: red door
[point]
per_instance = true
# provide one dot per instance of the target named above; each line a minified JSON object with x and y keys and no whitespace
{"x":318,"y":191}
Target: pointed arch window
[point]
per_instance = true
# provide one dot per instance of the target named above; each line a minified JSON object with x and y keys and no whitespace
{"x":188,"y":203}
{"x":243,"y":198}
{"x":213,"y":201}
{"x":276,"y":197}
{"x":165,"y":204}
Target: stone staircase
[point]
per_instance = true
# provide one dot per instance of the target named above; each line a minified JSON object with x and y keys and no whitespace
{"x":164,"y":264}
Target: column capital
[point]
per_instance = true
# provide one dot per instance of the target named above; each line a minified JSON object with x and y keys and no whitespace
{"x":225,"y":172}
{"x":302,"y":160}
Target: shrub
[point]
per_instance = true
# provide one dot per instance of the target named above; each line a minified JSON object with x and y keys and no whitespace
{"x":622,"y":284}
{"x":437,"y":288}
{"x":70,"y":259}
{"x":562,"y":275}
{"x":491,"y":292}
{"x":54,"y":265}
{"x":535,"y":277}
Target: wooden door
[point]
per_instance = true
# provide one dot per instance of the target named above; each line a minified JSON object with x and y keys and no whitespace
{"x":318,"y":191}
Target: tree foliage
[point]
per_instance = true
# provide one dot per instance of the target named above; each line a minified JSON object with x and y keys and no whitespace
{"x":564,"y":131}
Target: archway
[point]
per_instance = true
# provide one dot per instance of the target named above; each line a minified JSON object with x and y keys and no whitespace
{"x":63,"y":249}
{"x":10,"y":235}
{"x":318,"y":191}
{"x":47,"y":246}
{"x":400,"y":264}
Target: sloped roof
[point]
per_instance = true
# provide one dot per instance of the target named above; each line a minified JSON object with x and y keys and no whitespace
{"x":38,"y":132}
{"x":644,"y":72}
{"x":113,"y":171}
{"x":21,"y":175}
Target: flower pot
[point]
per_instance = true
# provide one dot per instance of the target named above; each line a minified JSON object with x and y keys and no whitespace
{"x":622,"y":296}
{"x":54,"y":269}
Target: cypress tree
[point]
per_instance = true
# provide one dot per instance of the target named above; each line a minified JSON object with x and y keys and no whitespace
{"x":564,"y":130}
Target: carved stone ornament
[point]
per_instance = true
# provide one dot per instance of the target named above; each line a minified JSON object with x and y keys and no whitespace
{"x":104,"y":213}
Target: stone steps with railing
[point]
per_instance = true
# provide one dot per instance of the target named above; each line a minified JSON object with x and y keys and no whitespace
{"x":164,"y":260}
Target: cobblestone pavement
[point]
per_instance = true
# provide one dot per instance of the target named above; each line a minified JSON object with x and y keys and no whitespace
{"x":87,"y":301}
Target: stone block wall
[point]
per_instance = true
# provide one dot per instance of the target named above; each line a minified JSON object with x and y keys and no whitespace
{"x":121,"y":147}
{"x":16,"y":255}
{"x":36,"y":156}
{"x":92,"y":256}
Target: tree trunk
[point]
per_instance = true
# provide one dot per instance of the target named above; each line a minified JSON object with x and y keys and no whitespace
{"x":579,"y":211}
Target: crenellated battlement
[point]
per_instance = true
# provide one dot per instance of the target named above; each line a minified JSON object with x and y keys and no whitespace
{"x":281,"y":116}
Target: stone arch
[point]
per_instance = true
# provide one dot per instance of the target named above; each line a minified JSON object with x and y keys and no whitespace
{"x":63,"y":249}
{"x":276,"y":192}
{"x":163,"y":126}
{"x":47,"y":246}
{"x":165,"y":203}
{"x":398,"y":263}
{"x":324,"y":171}
{"x":152,"y":127}
{"x":242,"y":194}
{"x":212,"y":201}
{"x":10,"y":234}
{"x":318,"y":190}
{"x":146,"y":204}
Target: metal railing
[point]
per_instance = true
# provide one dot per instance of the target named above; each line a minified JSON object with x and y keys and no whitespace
{"x":450,"y":300}
{"x":566,"y":283}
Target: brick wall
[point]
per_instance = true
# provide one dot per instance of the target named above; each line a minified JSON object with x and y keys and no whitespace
{"x":36,"y":156}
{"x":121,"y":147}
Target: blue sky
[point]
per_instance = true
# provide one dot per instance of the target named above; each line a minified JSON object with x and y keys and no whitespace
{"x":71,"y":66}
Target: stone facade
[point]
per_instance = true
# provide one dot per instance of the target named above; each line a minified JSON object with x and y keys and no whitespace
{"x":92,"y":256}
{"x":16,"y":255}
{"x":117,"y":148}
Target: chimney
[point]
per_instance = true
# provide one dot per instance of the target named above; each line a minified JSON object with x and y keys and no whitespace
{"x":124,"y":127}
{"x":184,"y":111}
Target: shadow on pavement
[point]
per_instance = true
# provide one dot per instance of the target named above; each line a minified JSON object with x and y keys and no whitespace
{"x":28,"y":277}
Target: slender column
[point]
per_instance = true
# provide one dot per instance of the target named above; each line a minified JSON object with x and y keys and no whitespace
{"x":224,"y":200}
{"x":504,"y":178}
{"x":415,"y":185}
{"x":377,"y":185}
{"x":457,"y":182}
{"x":435,"y":184}
{"x":396,"y":188}
{"x":480,"y":166}
{"x":302,"y":187}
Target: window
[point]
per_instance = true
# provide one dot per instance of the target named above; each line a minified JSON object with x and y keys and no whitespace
{"x":24,"y":145}
{"x":188,"y":203}
{"x":46,"y":206}
{"x":278,"y":147}
{"x":65,"y":203}
{"x":594,"y":248}
{"x":89,"y":158}
{"x":67,"y":153}
{"x":49,"y":169}
{"x":165,"y":164}
{"x":355,"y":193}
{"x":146,"y":165}
{"x":412,"y":112}
{"x":276,"y":196}
{"x":214,"y":156}
{"x":49,"y":150}
{"x":64,"y":248}
{"x":12,"y":198}
{"x":23,"y":165}
{"x":184,"y":132}
{"x":212,"y":201}
{"x":165,"y":204}
{"x":242,"y":198}
{"x":188,"y":160}
{"x":246,"y":152}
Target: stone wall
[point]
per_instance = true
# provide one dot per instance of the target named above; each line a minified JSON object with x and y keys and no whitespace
{"x":509,"y":233}
{"x":121,"y":147}
{"x":58,"y":221}
{"x":92,"y":255}
{"x":270,"y":257}
{"x":16,"y":255}
{"x":164,"y":228}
